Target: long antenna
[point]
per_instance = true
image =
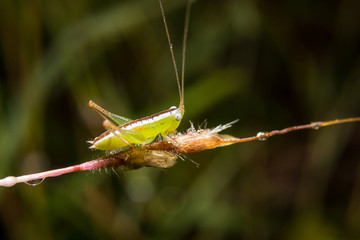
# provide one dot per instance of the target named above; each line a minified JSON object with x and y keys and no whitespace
{"x":187,"y":17}
{"x":186,"y":28}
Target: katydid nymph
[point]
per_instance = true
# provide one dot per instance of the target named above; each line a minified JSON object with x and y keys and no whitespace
{"x":124,"y":132}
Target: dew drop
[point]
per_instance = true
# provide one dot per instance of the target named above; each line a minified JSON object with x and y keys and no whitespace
{"x":316,"y":126}
{"x":261,"y":136}
{"x":171,"y":46}
{"x":35,"y":182}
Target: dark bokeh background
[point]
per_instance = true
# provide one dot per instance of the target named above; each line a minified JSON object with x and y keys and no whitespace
{"x":271,"y":64}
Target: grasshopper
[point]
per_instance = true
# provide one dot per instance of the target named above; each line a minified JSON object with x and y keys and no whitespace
{"x":124,"y":132}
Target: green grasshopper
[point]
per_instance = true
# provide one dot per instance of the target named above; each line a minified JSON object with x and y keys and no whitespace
{"x":124,"y":132}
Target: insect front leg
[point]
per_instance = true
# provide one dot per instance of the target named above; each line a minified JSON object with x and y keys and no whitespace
{"x":172,"y":141}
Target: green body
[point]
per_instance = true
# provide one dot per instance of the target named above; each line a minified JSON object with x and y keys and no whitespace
{"x":137,"y":132}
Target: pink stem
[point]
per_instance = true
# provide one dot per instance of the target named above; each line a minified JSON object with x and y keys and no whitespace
{"x":87,"y":166}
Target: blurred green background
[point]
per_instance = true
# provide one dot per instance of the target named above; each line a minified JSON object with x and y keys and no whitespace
{"x":271,"y":64}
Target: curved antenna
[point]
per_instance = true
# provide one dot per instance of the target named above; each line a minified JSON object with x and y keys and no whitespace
{"x":187,"y":17}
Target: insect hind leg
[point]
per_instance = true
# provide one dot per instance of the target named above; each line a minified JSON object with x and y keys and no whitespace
{"x":132,"y":137}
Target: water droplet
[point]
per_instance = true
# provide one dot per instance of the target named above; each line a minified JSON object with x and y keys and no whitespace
{"x":35,"y":182}
{"x":261,"y":136}
{"x":171,"y":46}
{"x":317,"y":125}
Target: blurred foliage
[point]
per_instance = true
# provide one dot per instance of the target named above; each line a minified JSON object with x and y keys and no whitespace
{"x":270,"y":64}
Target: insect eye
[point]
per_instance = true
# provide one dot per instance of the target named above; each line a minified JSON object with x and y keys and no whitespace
{"x":173,"y":107}
{"x":178,"y":116}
